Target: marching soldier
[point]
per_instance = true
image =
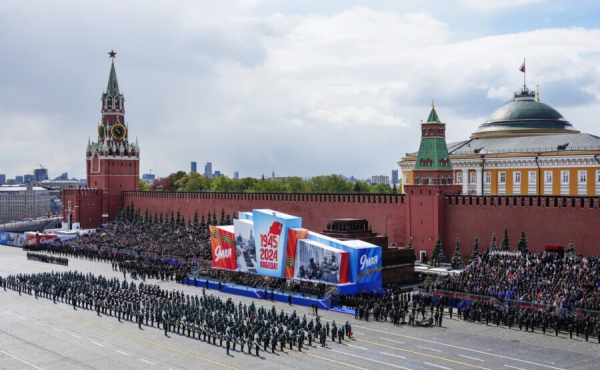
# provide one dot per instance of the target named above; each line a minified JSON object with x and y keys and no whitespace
{"x":257,"y":343}
{"x":228,"y":338}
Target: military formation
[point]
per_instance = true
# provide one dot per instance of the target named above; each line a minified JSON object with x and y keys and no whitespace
{"x":48,"y":259}
{"x":206,"y":318}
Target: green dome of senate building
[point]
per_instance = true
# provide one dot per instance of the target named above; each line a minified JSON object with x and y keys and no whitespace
{"x":524,"y":115}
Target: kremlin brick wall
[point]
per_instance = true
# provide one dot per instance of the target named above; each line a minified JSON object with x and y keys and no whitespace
{"x":386,"y":213}
{"x":545,"y":220}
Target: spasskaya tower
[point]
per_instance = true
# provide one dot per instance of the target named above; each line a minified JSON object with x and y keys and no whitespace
{"x":112,"y":164}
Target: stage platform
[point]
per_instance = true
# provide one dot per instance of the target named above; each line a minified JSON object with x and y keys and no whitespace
{"x":246,"y":291}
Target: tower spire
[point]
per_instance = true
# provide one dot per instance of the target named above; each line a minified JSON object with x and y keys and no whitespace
{"x":113,"y":85}
{"x":433,"y":116}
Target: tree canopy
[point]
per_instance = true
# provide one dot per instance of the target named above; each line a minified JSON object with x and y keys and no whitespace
{"x":190,"y":182}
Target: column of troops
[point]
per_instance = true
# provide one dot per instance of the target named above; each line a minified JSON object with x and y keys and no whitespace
{"x":206,"y":318}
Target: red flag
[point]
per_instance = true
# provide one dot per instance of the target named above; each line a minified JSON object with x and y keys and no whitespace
{"x":276,"y":228}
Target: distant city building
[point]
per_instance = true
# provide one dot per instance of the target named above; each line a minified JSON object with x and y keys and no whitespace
{"x":194,"y":169}
{"x":62,"y":177}
{"x":2,"y":179}
{"x":217,"y":174}
{"x":83,"y":182}
{"x":380,"y":179}
{"x":55,"y":205}
{"x":17,"y":202}
{"x":19,"y":179}
{"x":149,"y":178}
{"x":27,"y":178}
{"x":236,"y":175}
{"x":57,"y":184}
{"x":40,"y":174}
{"x":208,"y":170}
{"x":11,"y":182}
{"x":395,"y":179}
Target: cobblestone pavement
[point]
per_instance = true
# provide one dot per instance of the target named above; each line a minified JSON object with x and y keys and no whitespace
{"x":37,"y":334}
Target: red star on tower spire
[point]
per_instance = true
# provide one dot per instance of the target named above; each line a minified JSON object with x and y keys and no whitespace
{"x":112,"y":54}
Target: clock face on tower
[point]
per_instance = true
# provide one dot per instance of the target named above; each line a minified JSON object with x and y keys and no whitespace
{"x":118,"y":131}
{"x":101,"y":133}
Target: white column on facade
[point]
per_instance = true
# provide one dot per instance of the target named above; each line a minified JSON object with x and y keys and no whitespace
{"x":465,"y":180}
{"x":479,"y":181}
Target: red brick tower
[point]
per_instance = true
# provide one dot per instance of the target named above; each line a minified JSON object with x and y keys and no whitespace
{"x":112,"y":164}
{"x":432,"y":179}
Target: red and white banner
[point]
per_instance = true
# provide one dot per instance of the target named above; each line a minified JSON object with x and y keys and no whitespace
{"x":40,"y":239}
{"x":222,"y":244}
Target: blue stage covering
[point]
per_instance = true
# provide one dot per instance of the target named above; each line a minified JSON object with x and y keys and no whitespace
{"x":297,"y":299}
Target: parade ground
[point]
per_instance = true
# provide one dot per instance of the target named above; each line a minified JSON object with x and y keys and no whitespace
{"x":38,"y":334}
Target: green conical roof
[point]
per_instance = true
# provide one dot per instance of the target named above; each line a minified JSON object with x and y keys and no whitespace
{"x":113,"y":86}
{"x":433,"y":117}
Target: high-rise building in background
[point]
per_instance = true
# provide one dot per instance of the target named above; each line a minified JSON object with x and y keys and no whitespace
{"x":380,"y":179}
{"x":40,"y":174}
{"x":193,"y":168}
{"x":2,"y":179}
{"x":208,"y":170}
{"x":217,"y":174}
{"x":27,"y":178}
{"x":63,"y":177}
{"x":149,"y":178}
{"x":19,"y":179}
{"x":394,"y":176}
{"x":236,"y":175}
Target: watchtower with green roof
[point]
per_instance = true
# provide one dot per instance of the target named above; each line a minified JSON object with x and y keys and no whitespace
{"x":433,"y":166}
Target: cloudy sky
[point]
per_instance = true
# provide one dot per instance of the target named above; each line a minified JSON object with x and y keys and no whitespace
{"x":303,"y":88}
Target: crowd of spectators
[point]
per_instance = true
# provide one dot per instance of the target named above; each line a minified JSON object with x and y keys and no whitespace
{"x":171,"y":237}
{"x":564,"y":282}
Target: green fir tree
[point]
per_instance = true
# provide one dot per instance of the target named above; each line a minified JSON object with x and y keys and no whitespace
{"x":456,"y":261}
{"x":494,"y":244}
{"x":505,"y":244}
{"x":522,"y":244}
{"x":202,"y":223}
{"x":475,"y":253}
{"x":437,"y":256}
{"x":196,"y":218}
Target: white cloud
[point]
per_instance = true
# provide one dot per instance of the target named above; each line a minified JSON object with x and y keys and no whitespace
{"x":253,"y":91}
{"x":490,"y":5}
{"x":352,"y":115}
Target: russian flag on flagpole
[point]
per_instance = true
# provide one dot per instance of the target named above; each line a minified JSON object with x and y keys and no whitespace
{"x":522,"y":67}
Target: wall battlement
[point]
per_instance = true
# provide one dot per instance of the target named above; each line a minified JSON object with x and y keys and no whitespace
{"x":277,"y":197}
{"x":565,"y":202}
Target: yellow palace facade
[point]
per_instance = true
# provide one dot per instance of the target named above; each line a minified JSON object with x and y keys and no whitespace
{"x":525,"y":147}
